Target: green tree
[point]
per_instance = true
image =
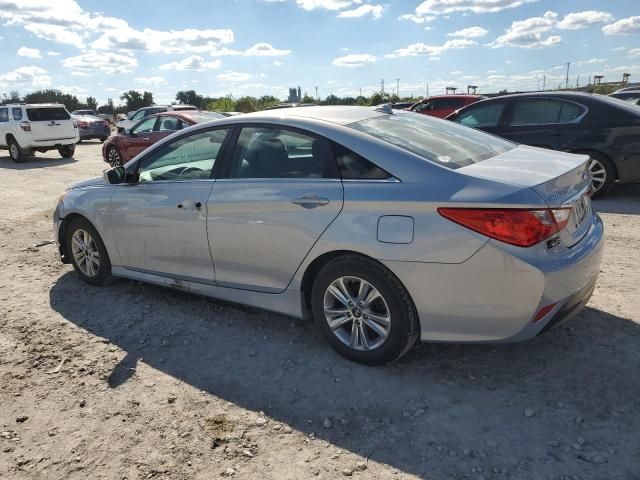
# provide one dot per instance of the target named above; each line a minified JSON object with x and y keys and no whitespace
{"x":92,"y":103}
{"x":71,"y":102}
{"x":222,"y":104}
{"x":362,"y":101}
{"x":308,"y":99}
{"x":190,"y":97}
{"x":266,"y":101}
{"x":246,"y":104}
{"x":330,"y":100}
{"x":11,"y":97}
{"x":135,"y":100}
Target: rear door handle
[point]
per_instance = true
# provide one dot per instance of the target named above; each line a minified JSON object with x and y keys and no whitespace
{"x":311,"y":200}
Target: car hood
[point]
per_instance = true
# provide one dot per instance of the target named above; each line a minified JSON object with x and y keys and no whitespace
{"x":91,"y":182}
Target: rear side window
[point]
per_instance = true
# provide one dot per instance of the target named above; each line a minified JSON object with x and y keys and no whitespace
{"x":355,"y":167}
{"x":47,"y":114}
{"x":543,"y":111}
{"x":446,"y":143}
{"x":479,"y":116}
{"x":4,"y":114}
{"x":16,"y":112}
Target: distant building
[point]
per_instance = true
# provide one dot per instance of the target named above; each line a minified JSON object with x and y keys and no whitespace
{"x":295,"y":95}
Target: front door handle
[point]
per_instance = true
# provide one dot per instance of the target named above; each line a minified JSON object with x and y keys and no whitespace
{"x":310,"y":200}
{"x":189,"y":204}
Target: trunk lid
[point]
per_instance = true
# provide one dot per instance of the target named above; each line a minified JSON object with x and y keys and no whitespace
{"x":561,"y":179}
{"x":50,"y":123}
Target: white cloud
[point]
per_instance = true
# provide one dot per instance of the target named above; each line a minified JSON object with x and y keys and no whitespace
{"x":530,"y":33}
{"x":578,"y":20}
{"x":419,"y":19}
{"x":416,"y":49}
{"x":430,"y":8}
{"x":374,"y":10}
{"x":277,"y":63}
{"x":29,"y":52}
{"x":623,"y":27}
{"x":233,"y":76}
{"x":354,"y":60}
{"x":634,"y":52}
{"x":106,"y":62}
{"x":265,"y":50}
{"x":326,"y":4}
{"x":471,"y":32}
{"x":80,"y":74}
{"x":225,"y":52}
{"x":31,"y":76}
{"x":591,"y":61}
{"x":618,"y":49}
{"x":194,"y":62}
{"x":154,"y":81}
{"x":51,"y":53}
{"x":55,"y":33}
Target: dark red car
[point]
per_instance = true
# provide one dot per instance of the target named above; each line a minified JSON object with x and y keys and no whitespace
{"x":442,"y":106}
{"x":121,"y":148}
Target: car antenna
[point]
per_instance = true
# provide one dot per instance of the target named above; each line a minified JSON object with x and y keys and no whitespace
{"x":384,"y":108}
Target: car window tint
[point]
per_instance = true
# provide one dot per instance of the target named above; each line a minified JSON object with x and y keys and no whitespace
{"x":569,"y":112}
{"x":355,"y":167}
{"x":139,"y":116}
{"x":16,"y":112}
{"x":4,"y":114}
{"x":536,"y":111}
{"x":187,"y":158}
{"x":480,"y":115}
{"x":443,"y":142}
{"x":169,"y":124}
{"x":146,"y":126}
{"x":279,"y":153}
{"x":47,"y":114}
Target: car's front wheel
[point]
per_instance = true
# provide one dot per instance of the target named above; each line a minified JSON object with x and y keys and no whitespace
{"x":364,"y":311}
{"x":67,"y":151}
{"x":114,"y":157}
{"x":87,"y":252}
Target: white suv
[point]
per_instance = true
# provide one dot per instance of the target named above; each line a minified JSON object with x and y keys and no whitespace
{"x":26,"y":129}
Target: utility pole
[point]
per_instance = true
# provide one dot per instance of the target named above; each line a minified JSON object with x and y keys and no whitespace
{"x":382,"y":86}
{"x":398,"y":87}
{"x":578,"y":81}
{"x":544,"y":82}
{"x":316,"y":92}
{"x":566,"y":83}
{"x":427,"y":90}
{"x":360,"y":91}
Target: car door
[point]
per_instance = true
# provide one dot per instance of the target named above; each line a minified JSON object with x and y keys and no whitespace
{"x":485,"y":116}
{"x":139,"y":137}
{"x":280,"y":191}
{"x":542,"y":122}
{"x":4,"y":120}
{"x":159,"y":223}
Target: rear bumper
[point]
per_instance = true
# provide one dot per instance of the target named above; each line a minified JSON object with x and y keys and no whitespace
{"x":494,"y":296}
{"x":94,"y":132}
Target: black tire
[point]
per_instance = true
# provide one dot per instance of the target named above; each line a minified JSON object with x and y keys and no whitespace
{"x":15,"y":152}
{"x":404,"y":326}
{"x":103,"y":139}
{"x":114,"y":157}
{"x":102,"y":275}
{"x":67,"y":151}
{"x":600,"y":163}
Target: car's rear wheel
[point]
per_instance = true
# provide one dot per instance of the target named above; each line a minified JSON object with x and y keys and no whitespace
{"x":603,"y":173}
{"x":103,"y":139}
{"x":15,"y":152}
{"x":114,"y":157}
{"x":67,"y":151}
{"x":364,"y":311}
{"x":87,"y":252}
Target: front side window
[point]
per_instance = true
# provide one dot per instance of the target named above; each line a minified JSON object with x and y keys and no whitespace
{"x":440,"y":141}
{"x":16,"y":112}
{"x":146,"y":126}
{"x":139,"y":115}
{"x":187,"y":158}
{"x":423,"y":107}
{"x":478,"y":116}
{"x":167,"y":124}
{"x":266,"y":152}
{"x":4,"y":114}
{"x":543,"y":111}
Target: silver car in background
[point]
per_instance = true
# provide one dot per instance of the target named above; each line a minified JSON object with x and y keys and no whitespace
{"x":386,"y":227}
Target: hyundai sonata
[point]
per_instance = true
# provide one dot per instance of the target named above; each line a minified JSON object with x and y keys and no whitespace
{"x":383,"y":226}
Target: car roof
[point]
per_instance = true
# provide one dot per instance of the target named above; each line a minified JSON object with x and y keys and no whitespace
{"x":340,"y":115}
{"x":459,"y":95}
{"x":36,"y":105}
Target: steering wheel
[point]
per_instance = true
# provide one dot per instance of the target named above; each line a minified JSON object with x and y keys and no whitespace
{"x":187,"y":170}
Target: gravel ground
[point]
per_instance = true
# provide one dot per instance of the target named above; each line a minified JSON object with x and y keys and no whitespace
{"x":135,"y":381}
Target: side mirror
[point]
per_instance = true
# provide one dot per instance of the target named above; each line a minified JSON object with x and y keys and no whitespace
{"x":128,"y":132}
{"x":115,"y":175}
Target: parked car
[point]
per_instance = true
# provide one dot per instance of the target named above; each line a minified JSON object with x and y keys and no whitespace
{"x":626,"y":94}
{"x":84,"y":113}
{"x":604,"y":128}
{"x":135,"y":117}
{"x":626,"y":89}
{"x":122,"y":147}
{"x":91,"y":127}
{"x":384,"y":226}
{"x":402,"y":105}
{"x":442,"y":105}
{"x":26,"y":129}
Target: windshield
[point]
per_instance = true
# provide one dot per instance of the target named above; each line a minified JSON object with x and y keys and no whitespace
{"x":441,"y":141}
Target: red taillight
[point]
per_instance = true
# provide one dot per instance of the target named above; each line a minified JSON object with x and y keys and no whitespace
{"x":83,"y":125}
{"x":26,"y":126}
{"x":522,"y":228}
{"x":543,"y":312}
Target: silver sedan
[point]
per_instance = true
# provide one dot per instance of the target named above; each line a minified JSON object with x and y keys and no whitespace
{"x":385,"y":227}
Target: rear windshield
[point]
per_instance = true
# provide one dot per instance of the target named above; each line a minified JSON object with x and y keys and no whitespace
{"x":441,"y":141}
{"x":47,"y":114}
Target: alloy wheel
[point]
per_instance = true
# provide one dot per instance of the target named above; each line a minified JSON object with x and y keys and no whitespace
{"x":598,"y":174}
{"x":113,"y":156}
{"x":14,"y":152}
{"x":85,"y":252}
{"x":357,"y":313}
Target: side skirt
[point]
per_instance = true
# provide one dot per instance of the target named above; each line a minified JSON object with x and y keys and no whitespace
{"x":286,"y":303}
